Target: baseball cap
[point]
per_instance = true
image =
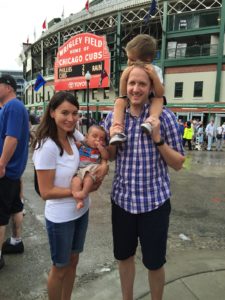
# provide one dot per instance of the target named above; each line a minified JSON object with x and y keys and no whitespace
{"x":8,"y":79}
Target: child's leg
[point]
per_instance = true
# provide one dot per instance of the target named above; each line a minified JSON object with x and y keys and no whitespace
{"x":116,"y":134}
{"x":76,"y":186}
{"x":156,"y":107}
{"x":155,"y":110}
{"x":88,"y":182}
{"x":119,"y":111}
{"x":189,"y":145}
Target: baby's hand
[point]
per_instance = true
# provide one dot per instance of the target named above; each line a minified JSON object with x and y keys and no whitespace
{"x":100,"y":145}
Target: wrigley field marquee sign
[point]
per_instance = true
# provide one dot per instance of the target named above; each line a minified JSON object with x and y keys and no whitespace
{"x":81,"y":53}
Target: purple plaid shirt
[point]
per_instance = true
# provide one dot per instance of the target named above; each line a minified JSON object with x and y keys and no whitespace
{"x":141,"y":180}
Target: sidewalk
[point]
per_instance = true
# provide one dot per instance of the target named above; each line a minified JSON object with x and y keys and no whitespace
{"x":194,"y":270}
{"x":189,"y":276}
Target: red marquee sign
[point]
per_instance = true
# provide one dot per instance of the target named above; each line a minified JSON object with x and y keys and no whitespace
{"x":81,"y":53}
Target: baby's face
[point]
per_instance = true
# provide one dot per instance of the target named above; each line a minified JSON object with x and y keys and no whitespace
{"x":94,"y":137}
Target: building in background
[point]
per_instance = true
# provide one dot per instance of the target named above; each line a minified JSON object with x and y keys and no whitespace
{"x":18,"y":75}
{"x":191,"y":51}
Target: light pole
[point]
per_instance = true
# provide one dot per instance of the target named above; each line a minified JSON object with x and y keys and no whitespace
{"x":88,"y":78}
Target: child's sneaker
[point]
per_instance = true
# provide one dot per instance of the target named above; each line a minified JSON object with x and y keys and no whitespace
{"x":118,"y":139}
{"x":146,"y":127}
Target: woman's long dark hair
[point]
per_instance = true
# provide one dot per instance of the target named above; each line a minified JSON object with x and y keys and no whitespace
{"x":47,"y":127}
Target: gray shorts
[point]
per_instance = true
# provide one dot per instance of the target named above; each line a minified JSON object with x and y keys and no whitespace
{"x":88,"y":169}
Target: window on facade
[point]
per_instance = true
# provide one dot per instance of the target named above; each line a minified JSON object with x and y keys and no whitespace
{"x":178,"y":92}
{"x":94,"y":94}
{"x":198,"y":88}
{"x":189,"y":20}
{"x":209,"y":19}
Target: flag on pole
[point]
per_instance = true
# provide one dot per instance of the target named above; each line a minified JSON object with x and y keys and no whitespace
{"x":151,"y":11}
{"x":34,"y":34}
{"x":62,"y":16}
{"x":87,"y":5}
{"x":102,"y":76}
{"x":39,"y":82}
{"x":44,"y":24}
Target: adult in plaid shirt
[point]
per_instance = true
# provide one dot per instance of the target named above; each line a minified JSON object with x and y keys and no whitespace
{"x":141,"y":186}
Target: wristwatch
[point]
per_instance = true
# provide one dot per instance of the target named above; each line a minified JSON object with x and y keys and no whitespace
{"x":160,"y":143}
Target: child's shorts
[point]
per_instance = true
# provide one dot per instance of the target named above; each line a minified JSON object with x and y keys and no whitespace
{"x":88,"y":169}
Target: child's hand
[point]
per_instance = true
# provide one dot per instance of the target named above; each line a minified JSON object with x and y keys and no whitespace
{"x":151,"y":71}
{"x":100,"y":172}
{"x":155,"y":122}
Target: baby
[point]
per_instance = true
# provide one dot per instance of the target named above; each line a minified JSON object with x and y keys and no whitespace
{"x":92,"y":150}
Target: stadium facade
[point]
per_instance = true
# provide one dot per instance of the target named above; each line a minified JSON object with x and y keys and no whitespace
{"x":191,"y":51}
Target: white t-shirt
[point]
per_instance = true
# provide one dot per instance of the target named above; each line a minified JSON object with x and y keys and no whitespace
{"x":47,"y":157}
{"x":210,"y":129}
{"x":159,"y":73}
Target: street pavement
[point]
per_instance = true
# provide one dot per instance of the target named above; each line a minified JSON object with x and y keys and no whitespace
{"x":195,"y":267}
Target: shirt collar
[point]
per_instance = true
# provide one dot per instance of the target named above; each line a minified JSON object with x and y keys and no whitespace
{"x":143,"y":112}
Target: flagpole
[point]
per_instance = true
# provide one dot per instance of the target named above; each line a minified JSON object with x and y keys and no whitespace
{"x":42,"y":71}
{"x":34,"y":34}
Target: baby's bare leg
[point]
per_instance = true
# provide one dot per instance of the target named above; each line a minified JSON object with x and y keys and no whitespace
{"x":86,"y":188}
{"x":76,"y":186}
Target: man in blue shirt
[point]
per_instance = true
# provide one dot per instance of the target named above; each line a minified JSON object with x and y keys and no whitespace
{"x":141,"y":186}
{"x":14,"y":140}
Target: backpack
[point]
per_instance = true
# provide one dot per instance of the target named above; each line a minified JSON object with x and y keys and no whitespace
{"x":36,"y":186}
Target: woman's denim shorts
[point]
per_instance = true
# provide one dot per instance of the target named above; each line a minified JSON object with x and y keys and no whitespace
{"x":66,"y":238}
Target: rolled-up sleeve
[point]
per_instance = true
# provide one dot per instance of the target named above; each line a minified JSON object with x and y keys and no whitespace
{"x":170,"y":131}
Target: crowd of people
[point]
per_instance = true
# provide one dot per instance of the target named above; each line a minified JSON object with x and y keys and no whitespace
{"x":199,"y":137}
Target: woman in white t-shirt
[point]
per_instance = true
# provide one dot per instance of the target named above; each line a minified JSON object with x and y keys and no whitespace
{"x":56,"y":160}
